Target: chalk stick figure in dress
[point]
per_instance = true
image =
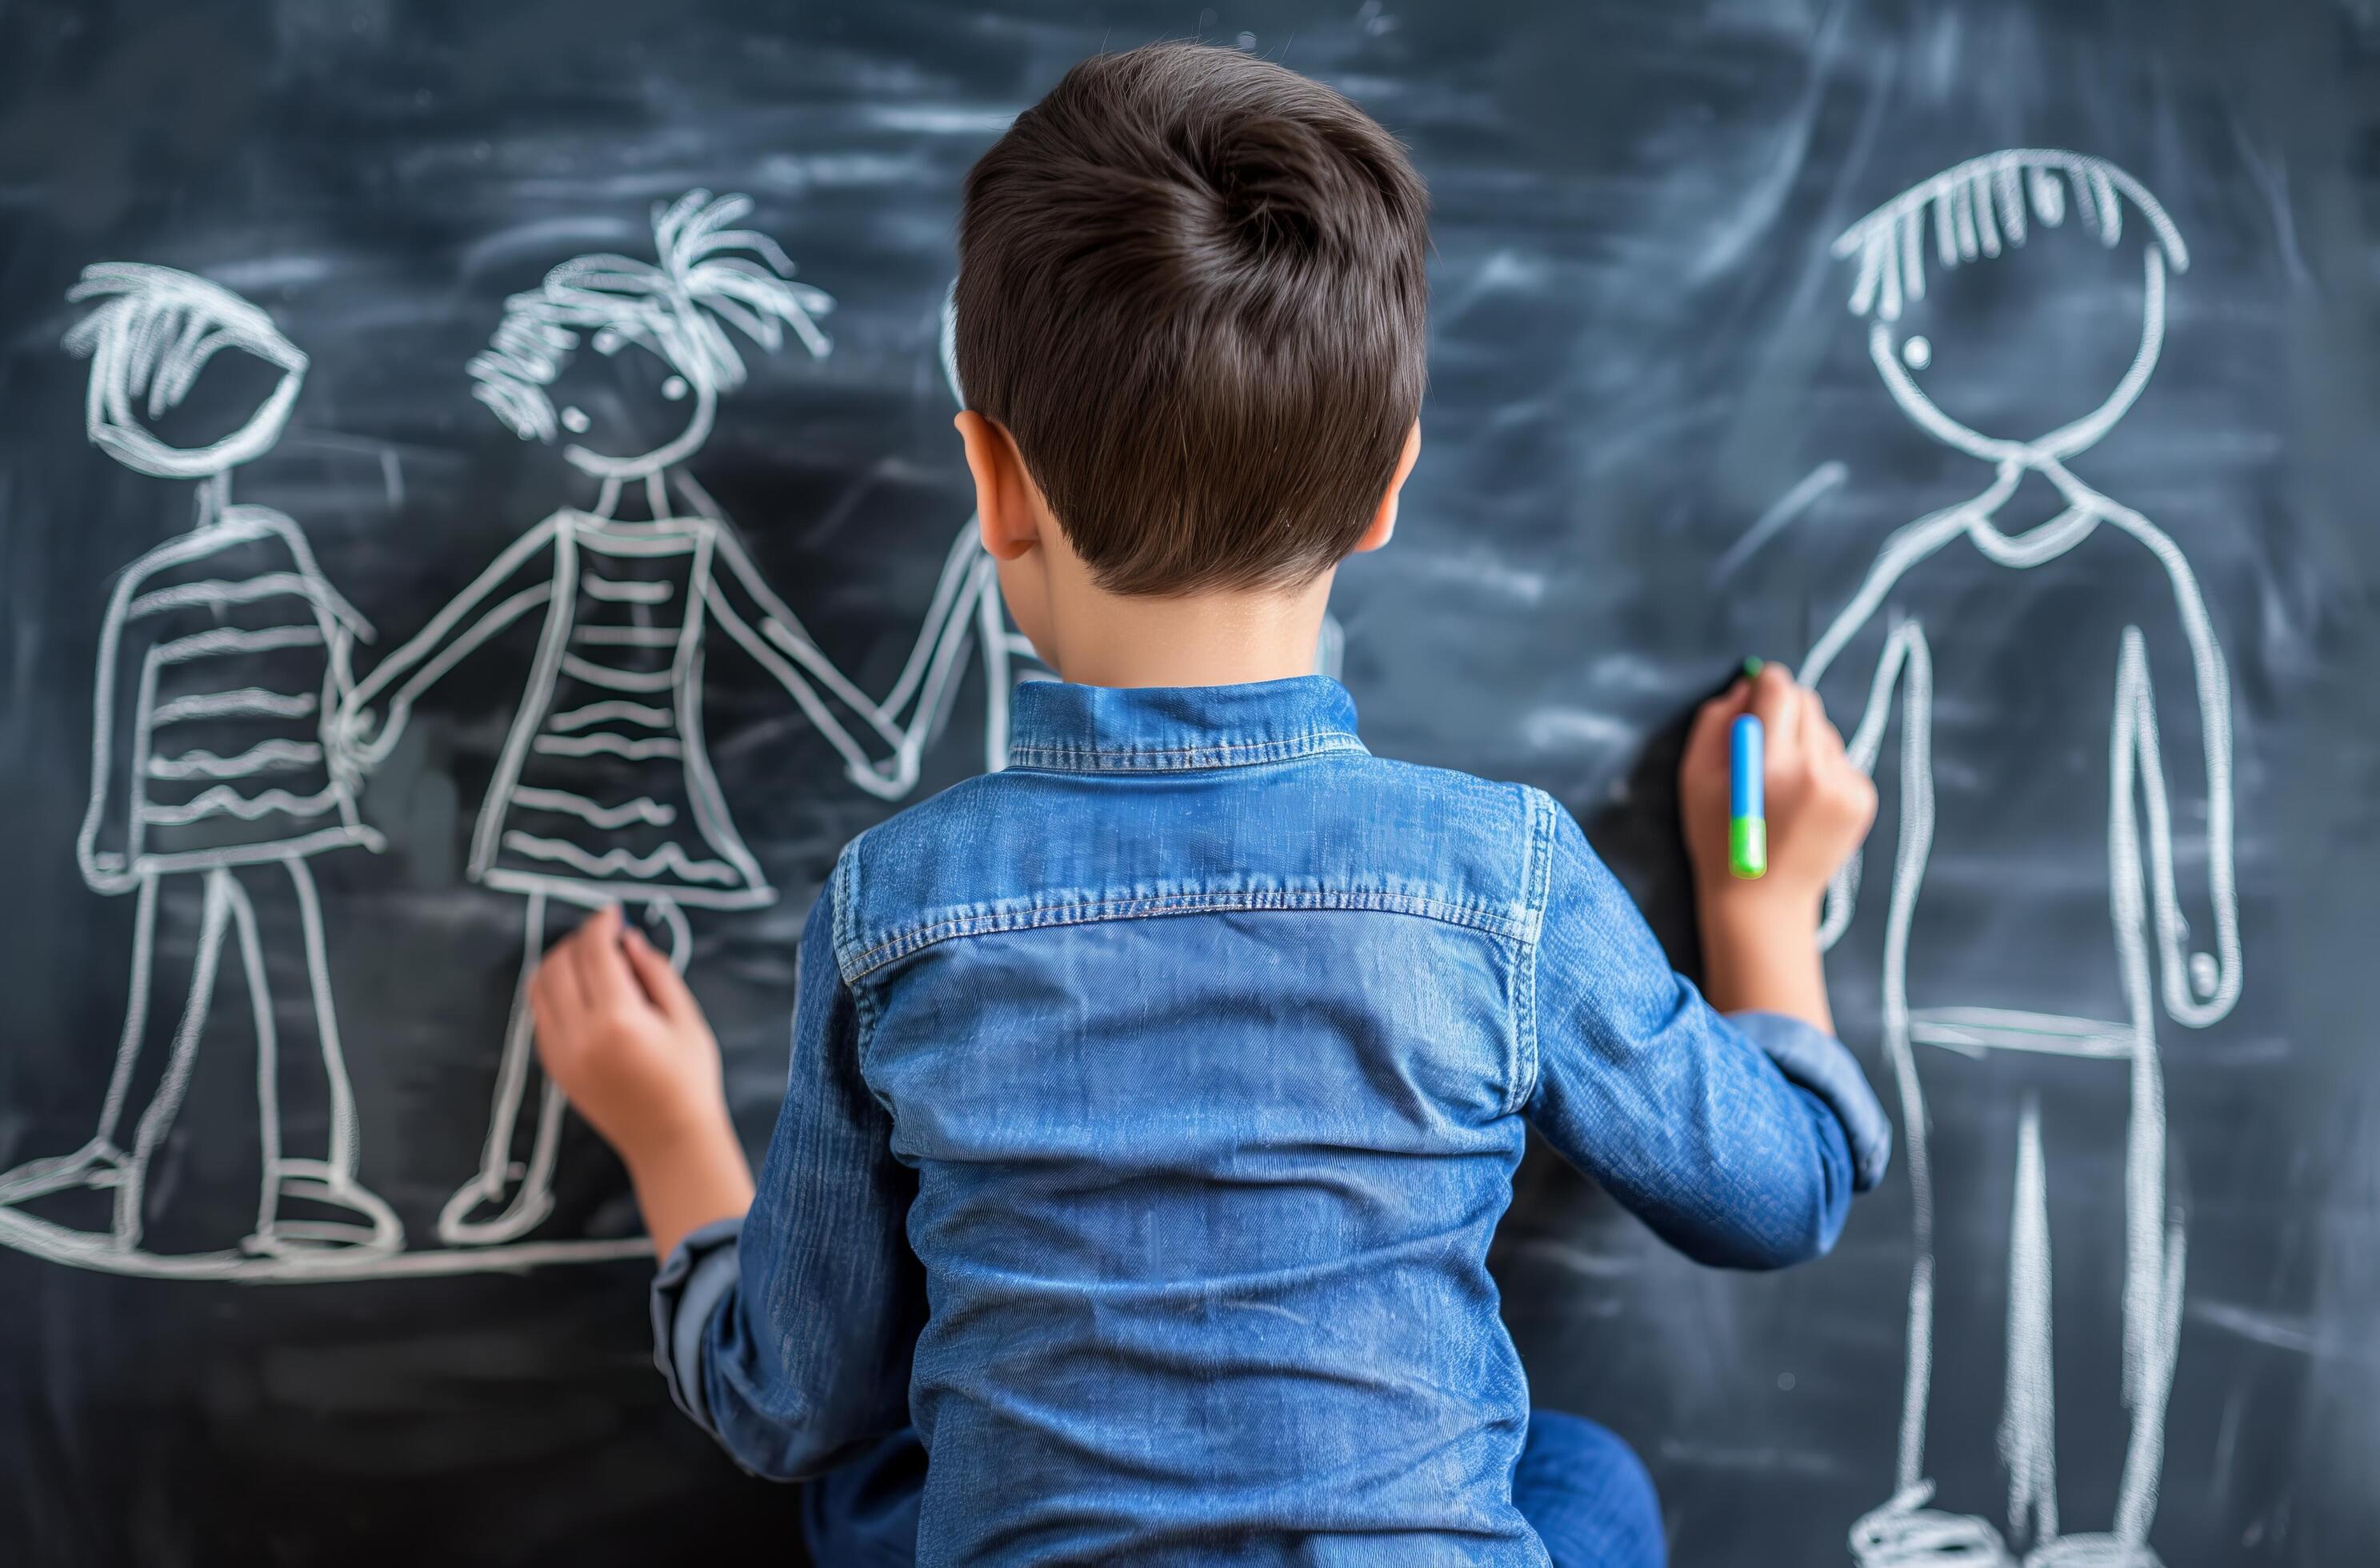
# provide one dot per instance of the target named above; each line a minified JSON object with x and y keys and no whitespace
{"x":1974,"y":213}
{"x":603,"y":790}
{"x":222,"y":653}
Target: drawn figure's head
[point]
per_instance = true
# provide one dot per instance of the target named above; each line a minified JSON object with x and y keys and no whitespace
{"x":155,"y":330}
{"x":677,"y":313}
{"x":1954,"y":350}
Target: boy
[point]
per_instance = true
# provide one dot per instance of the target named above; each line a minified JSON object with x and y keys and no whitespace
{"x":1153,"y":1101}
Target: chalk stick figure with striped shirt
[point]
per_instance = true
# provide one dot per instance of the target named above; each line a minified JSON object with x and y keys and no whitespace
{"x":221,"y":652}
{"x":603,"y":791}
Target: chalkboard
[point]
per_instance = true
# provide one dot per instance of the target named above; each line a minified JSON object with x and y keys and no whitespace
{"x":460,"y":460}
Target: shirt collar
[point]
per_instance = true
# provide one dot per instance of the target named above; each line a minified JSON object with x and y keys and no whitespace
{"x":1060,"y":727}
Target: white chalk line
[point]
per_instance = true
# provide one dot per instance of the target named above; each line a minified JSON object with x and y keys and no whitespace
{"x":668,"y":860}
{"x":644,"y":808}
{"x":607,"y":711}
{"x":78,"y":1249}
{"x":636,"y":749}
{"x":624,"y":590}
{"x":223,"y":800}
{"x":248,"y":702}
{"x":2028,"y":1441}
{"x":1813,"y":486}
{"x":265,"y":757}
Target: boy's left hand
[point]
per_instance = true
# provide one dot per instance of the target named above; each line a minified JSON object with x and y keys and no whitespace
{"x":624,"y":1038}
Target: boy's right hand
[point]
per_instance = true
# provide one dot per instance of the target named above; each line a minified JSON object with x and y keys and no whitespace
{"x":1760,"y":947}
{"x":1819,"y":806}
{"x":622,"y":1036}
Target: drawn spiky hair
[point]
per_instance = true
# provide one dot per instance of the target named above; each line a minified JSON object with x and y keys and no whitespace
{"x":1980,"y":208}
{"x":680,"y":310}
{"x":160,"y":327}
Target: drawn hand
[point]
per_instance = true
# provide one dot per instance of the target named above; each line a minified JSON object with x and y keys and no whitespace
{"x":348,"y":736}
{"x":623,"y":1036}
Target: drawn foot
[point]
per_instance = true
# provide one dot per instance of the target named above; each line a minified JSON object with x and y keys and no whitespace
{"x":2092,"y":1551}
{"x":363,"y":1223}
{"x":480,"y":1215}
{"x":96,"y":1164}
{"x":1904,"y":1533}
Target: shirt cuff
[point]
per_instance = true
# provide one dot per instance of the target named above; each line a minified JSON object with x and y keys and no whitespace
{"x":1814,"y":1060}
{"x":686,"y":1292}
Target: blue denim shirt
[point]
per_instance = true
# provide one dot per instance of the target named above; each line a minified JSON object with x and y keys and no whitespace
{"x":1152,"y":1105}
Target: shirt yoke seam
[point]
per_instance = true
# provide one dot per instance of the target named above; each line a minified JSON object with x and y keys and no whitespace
{"x":1078,"y":912}
{"x":1161,"y":758}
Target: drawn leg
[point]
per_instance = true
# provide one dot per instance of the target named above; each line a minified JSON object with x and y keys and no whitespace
{"x":1905,"y":1531}
{"x":100,"y":1163}
{"x":158,"y":1118}
{"x":2154,"y":1248}
{"x":463,"y":1223}
{"x":2028,"y":1408}
{"x":361,"y":1220}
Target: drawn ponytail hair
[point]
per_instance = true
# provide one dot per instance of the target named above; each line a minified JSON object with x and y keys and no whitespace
{"x":680,"y":310}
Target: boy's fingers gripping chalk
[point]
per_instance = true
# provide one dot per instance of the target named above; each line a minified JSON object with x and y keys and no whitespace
{"x":1780,"y":706}
{"x":605,"y":978}
{"x":662,"y":984}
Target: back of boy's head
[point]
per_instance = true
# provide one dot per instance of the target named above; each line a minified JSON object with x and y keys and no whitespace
{"x":1191,"y":287}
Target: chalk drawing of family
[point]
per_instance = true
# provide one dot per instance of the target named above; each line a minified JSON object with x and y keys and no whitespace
{"x":603,"y":790}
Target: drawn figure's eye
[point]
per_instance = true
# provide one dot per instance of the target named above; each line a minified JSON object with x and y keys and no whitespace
{"x":674,"y":388}
{"x":575,"y":421}
{"x":1917,"y":353}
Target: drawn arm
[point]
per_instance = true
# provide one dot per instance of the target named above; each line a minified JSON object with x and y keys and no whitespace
{"x":2199,"y":988}
{"x":103,"y":846}
{"x":468,"y":621}
{"x":1894,"y":674}
{"x":881,"y":753}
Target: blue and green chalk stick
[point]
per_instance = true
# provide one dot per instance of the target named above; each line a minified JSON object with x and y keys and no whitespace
{"x":1747,"y":806}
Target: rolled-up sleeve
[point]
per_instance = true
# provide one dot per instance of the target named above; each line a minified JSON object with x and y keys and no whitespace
{"x":688,"y":1291}
{"x":787,"y":1334}
{"x":1738,"y":1141}
{"x":1814,"y":1060}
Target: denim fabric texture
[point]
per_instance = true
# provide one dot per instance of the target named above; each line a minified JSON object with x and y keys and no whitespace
{"x":1152,"y":1105}
{"x":1578,"y":1484}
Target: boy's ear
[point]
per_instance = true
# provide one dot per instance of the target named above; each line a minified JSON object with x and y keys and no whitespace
{"x":1007,"y":514}
{"x":1384,"y":521}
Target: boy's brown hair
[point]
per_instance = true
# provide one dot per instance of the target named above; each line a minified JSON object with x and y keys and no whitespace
{"x":1191,"y":287}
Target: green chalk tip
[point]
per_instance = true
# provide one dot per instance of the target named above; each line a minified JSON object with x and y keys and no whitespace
{"x":1752,"y":669}
{"x":1747,"y":846}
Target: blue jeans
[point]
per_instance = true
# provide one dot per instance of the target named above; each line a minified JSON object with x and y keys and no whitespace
{"x":1580,"y":1486}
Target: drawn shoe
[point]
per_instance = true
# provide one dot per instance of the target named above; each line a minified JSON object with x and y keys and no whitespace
{"x":2092,"y":1551}
{"x":480,"y":1215}
{"x":1904,"y":1533}
{"x":316,"y":1209}
{"x":78,"y":1192}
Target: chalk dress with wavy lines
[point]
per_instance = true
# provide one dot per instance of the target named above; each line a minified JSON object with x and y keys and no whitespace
{"x":603,"y":791}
